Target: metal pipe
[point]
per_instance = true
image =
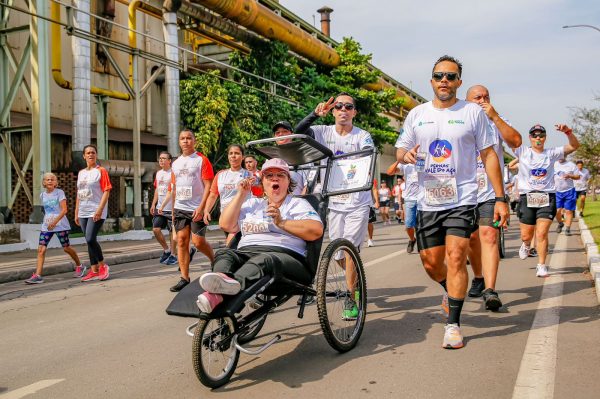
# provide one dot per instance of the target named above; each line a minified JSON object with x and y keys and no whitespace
{"x":56,"y":50}
{"x":172,"y":80}
{"x":258,"y":18}
{"x":82,"y":78}
{"x":325,"y":20}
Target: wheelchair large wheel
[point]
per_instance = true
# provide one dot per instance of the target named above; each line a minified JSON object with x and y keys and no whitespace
{"x":214,"y":355}
{"x":501,"y":244}
{"x":341,"y":295}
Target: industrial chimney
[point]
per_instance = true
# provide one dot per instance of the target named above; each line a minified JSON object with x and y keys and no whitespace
{"x":325,"y":20}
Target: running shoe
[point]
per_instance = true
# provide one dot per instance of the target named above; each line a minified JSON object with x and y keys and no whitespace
{"x":445,"y":307}
{"x":477,"y":287}
{"x":193,"y":251}
{"x":532,"y":253}
{"x":90,"y":276}
{"x":180,"y":285}
{"x":103,"y":272}
{"x":399,"y":220}
{"x":524,"y":251}
{"x":34,"y":279}
{"x":491,"y":300}
{"x":309,"y":300}
{"x":370,"y":243}
{"x":581,"y":214}
{"x":171,"y":260}
{"x":208,"y":301}
{"x":568,"y":231}
{"x":163,"y":258}
{"x":219,"y":283}
{"x":453,"y":338}
{"x":559,"y":227}
{"x":541,"y":271}
{"x":350,"y":311}
{"x":411,"y":246}
{"x":79,"y":271}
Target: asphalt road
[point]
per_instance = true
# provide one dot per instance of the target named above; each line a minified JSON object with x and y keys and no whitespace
{"x":112,"y":339}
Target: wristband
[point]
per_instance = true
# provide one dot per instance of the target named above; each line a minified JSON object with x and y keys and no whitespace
{"x":501,"y":199}
{"x":568,"y":132}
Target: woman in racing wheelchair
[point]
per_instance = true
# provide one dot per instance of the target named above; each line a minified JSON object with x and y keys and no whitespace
{"x":274,"y":229}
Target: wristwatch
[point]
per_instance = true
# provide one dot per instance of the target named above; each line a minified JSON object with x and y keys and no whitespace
{"x":501,"y":199}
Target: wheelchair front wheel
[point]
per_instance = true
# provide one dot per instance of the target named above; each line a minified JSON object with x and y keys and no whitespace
{"x":214,"y":355}
{"x":341,"y":295}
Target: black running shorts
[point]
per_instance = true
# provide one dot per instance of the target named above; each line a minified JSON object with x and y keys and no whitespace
{"x":485,"y":214}
{"x":184,"y":218}
{"x":434,"y":226}
{"x":529,"y":215}
{"x":163,"y":221}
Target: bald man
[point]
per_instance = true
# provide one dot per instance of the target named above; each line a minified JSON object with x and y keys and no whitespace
{"x":483,"y":247}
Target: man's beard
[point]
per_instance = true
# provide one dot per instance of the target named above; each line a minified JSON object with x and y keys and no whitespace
{"x":445,"y":97}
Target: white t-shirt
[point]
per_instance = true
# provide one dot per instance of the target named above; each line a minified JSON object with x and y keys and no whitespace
{"x":188,"y":173}
{"x":397,"y":189}
{"x":449,"y":139}
{"x":91,"y":185}
{"x":258,"y":229}
{"x":581,"y":184}
{"x":162,"y":184}
{"x":51,"y":203}
{"x":384,"y":194}
{"x":300,"y":180}
{"x":536,"y":170}
{"x":560,"y":170}
{"x":356,"y":140}
{"x":485,"y":191}
{"x":225,"y":185}
{"x":412,"y":189}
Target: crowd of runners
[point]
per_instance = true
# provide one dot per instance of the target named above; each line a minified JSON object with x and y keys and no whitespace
{"x":451,"y":193}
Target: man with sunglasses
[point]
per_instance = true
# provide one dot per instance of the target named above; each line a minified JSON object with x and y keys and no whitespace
{"x":349,"y":213}
{"x":441,"y":138}
{"x":537,"y":190}
{"x":483,"y":251}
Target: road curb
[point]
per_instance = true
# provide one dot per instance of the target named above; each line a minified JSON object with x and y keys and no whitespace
{"x":68,"y":265}
{"x":592,"y":255}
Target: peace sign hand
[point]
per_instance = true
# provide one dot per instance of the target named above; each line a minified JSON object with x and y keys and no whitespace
{"x":324,"y":108}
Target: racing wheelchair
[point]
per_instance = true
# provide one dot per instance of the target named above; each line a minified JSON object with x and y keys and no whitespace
{"x":337,"y":274}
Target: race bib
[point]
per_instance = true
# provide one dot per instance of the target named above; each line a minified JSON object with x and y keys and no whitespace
{"x":254,"y":226}
{"x":342,"y":198}
{"x":384,"y":198}
{"x":482,"y":182}
{"x":184,"y":192}
{"x":538,"y":200}
{"x":441,"y":190}
{"x":84,"y":194}
{"x":49,"y":217}
{"x":413,"y":178}
{"x":162,"y":190}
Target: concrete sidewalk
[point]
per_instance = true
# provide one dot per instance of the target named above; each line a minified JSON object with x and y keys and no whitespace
{"x":20,"y":265}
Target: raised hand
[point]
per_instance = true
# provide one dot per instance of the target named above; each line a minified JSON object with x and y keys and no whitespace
{"x":324,"y":108}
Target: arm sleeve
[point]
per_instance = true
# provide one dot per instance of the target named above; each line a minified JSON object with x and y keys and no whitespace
{"x":557,"y":153}
{"x":214,"y":187}
{"x":407,"y":138}
{"x":304,"y":211}
{"x":207,"y":169}
{"x":304,"y":126}
{"x":61,"y":195}
{"x":104,"y":180}
{"x":366,"y":141}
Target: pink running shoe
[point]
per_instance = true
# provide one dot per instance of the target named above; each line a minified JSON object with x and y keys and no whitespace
{"x":79,"y":271}
{"x":104,"y":272}
{"x":207,"y":302}
{"x":90,"y":276}
{"x":219,"y":283}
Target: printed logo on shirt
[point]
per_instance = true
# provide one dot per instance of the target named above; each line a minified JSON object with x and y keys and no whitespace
{"x":369,"y":141}
{"x":421,"y":123}
{"x":351,"y":172}
{"x":539,"y":173}
{"x":440,"y":150}
{"x":456,"y":122}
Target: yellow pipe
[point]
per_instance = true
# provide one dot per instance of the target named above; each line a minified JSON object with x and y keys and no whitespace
{"x":407,"y":101}
{"x":258,"y":18}
{"x":57,"y":60}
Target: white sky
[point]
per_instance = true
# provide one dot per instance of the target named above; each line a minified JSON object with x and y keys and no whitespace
{"x":533,"y":68}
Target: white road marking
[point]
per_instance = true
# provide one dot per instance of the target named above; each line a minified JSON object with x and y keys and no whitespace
{"x":538,"y":365}
{"x":384,"y":258}
{"x":30,"y":389}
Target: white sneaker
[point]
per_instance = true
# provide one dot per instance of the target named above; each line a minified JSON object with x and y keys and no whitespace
{"x":541,"y":271}
{"x":453,"y":338}
{"x":370,"y":243}
{"x":524,"y":251}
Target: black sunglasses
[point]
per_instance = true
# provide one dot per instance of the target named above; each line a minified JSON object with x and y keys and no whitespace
{"x":536,"y":135}
{"x":451,"y":76}
{"x":348,"y":106}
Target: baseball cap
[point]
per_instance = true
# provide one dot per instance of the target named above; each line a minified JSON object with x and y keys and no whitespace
{"x":537,"y":128}
{"x":283,"y":124}
{"x":276,"y":163}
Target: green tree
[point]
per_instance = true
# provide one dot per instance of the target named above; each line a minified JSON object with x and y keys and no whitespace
{"x":586,"y":125}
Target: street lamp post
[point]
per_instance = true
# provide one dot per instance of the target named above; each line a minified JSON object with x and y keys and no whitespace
{"x":581,"y":26}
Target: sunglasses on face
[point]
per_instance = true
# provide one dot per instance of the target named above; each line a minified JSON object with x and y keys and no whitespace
{"x":348,"y":106}
{"x":164,"y":159}
{"x":451,"y":76}
{"x":537,"y":135}
{"x":279,"y":175}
